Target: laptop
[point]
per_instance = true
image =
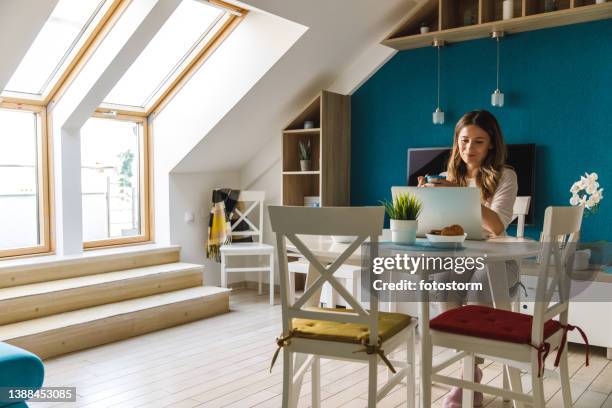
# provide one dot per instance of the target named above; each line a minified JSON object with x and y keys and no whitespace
{"x":444,"y":206}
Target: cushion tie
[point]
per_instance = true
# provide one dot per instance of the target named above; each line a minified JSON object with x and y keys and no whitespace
{"x":376,"y":349}
{"x":567,"y":328}
{"x":281,"y":342}
{"x":543,"y":350}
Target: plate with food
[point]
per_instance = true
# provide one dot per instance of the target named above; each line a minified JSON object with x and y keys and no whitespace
{"x":451,"y":236}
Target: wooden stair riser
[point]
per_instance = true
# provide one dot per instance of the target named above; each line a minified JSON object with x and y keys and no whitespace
{"x":17,"y":276}
{"x":46,"y":304}
{"x":107,"y":330}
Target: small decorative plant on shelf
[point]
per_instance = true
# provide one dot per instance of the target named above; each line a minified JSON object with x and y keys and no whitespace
{"x":305,"y":155}
{"x":586,"y":192}
{"x":404,"y":212}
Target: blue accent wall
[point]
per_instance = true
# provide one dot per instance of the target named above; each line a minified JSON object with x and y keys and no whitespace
{"x":558,"y":88}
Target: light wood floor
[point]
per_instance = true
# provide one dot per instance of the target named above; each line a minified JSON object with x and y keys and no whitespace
{"x":223,"y":362}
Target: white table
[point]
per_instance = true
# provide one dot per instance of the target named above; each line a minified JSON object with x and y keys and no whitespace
{"x":498,"y":252}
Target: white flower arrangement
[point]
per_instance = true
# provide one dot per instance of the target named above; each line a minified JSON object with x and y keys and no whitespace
{"x":586,"y":192}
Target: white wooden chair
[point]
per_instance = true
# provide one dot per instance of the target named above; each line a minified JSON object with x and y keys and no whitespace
{"x":352,"y":334}
{"x":253,"y":199}
{"x":483,"y":331}
{"x":519,"y":211}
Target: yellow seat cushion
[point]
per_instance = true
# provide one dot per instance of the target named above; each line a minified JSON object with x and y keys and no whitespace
{"x":389,"y":324}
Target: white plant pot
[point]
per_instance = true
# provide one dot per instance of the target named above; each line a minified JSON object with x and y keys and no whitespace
{"x":404,"y":231}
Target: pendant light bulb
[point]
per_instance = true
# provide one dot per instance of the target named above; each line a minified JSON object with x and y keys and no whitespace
{"x":438,"y":114}
{"x":497,"y":97}
{"x":438,"y":117}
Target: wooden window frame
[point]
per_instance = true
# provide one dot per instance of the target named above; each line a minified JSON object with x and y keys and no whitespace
{"x":236,"y":16}
{"x":146,"y":212}
{"x":107,"y":21}
{"x":43,"y":193}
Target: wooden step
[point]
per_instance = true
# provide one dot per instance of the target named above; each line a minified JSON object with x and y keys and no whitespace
{"x":36,"y":300}
{"x":71,"y":331}
{"x":17,"y":272}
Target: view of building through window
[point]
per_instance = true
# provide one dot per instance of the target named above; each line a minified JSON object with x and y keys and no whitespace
{"x":19,"y":195}
{"x":110,"y":179}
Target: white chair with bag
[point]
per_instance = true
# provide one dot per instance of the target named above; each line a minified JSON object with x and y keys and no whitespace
{"x":253,"y":199}
{"x":517,"y":340}
{"x":354,"y":334}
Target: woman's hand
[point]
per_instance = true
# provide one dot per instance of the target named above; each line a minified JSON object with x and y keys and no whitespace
{"x":439,"y":182}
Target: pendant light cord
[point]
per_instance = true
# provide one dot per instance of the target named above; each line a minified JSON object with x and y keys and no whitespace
{"x":497,"y":62}
{"x":438,"y":102}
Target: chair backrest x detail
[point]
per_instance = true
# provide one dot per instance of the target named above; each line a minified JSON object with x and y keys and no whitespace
{"x":289,"y":222}
{"x":252,"y":200}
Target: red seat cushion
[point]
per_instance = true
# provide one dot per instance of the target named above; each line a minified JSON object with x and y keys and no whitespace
{"x":488,"y":323}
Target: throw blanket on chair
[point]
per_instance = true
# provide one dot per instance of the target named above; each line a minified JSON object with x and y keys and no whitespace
{"x":219,"y":227}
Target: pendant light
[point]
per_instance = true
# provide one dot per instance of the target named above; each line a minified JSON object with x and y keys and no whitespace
{"x":497,"y":97}
{"x":438,"y":115}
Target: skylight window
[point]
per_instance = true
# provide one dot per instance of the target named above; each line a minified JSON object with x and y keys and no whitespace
{"x":52,"y":52}
{"x":188,"y":31}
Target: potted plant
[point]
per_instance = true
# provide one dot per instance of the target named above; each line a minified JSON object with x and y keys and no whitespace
{"x":586,"y":192}
{"x":304,"y":153}
{"x":403,"y":211}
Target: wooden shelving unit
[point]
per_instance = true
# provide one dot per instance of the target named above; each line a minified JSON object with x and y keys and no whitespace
{"x":330,"y":144}
{"x":461,"y":20}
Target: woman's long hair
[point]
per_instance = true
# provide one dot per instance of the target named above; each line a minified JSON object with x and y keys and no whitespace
{"x":490,"y":171}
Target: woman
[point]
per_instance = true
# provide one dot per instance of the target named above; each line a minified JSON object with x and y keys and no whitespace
{"x":478,"y":159}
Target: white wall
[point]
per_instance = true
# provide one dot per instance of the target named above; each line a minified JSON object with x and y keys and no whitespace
{"x":230,"y":73}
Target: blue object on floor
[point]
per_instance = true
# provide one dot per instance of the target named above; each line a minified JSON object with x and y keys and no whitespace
{"x":18,"y":369}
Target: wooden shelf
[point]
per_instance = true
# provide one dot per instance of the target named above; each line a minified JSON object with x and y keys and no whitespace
{"x":330,"y":152}
{"x":299,"y":173}
{"x":295,"y":188}
{"x":453,"y":15}
{"x":299,"y":131}
{"x":291,"y":159}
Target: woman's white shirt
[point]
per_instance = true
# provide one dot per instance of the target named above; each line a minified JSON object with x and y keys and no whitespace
{"x":502,"y":201}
